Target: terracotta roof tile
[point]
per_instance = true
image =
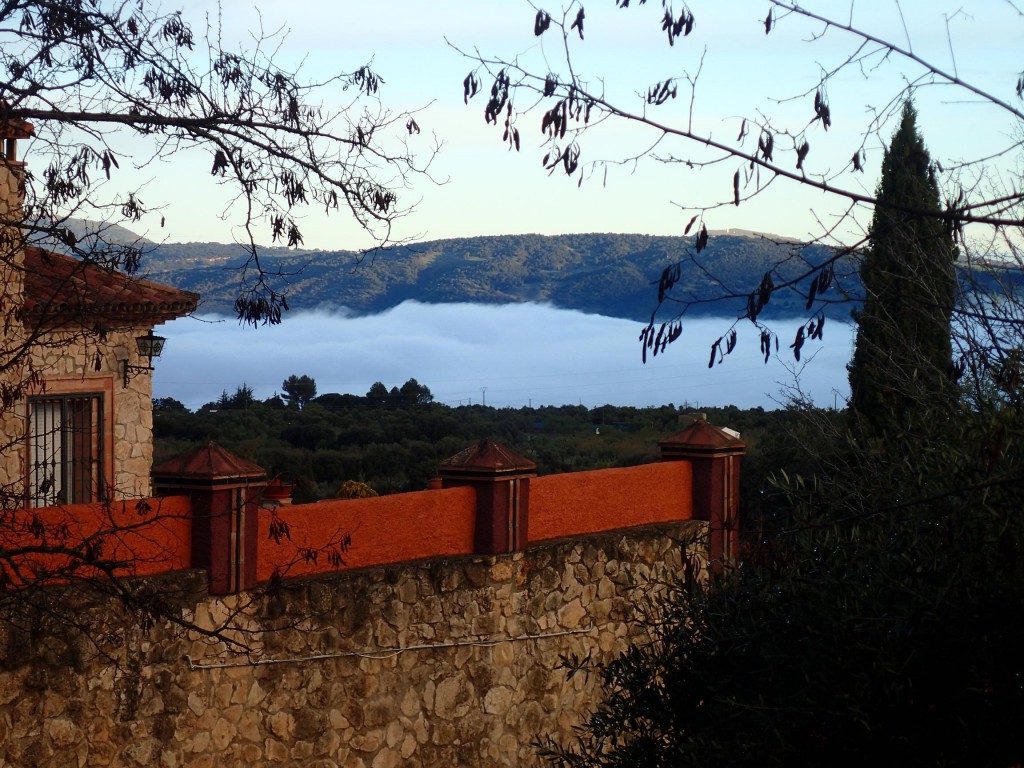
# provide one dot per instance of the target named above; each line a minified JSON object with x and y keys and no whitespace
{"x":209,"y":462}
{"x":61,"y":289}
{"x":487,"y":456}
{"x":702,"y":437}
{"x":14,"y":127}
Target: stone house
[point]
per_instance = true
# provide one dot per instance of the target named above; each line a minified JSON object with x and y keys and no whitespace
{"x":75,"y":391}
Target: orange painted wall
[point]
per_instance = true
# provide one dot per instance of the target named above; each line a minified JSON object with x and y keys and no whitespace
{"x":383,"y":530}
{"x":150,"y":541}
{"x":608,"y":499}
{"x":387,"y":529}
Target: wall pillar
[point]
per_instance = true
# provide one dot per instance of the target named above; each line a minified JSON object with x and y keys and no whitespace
{"x":715,"y":455}
{"x":501,"y":480}
{"x":225,"y":492}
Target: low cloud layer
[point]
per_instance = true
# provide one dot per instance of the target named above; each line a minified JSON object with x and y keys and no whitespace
{"x":511,"y":355}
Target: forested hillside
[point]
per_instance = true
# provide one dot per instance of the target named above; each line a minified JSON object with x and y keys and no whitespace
{"x":609,"y":274}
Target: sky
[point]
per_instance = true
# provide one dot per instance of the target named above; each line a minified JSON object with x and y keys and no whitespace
{"x":478,"y":187}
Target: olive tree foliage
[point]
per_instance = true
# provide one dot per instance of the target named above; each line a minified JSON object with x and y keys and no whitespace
{"x":551,"y":99}
{"x":111,"y":85}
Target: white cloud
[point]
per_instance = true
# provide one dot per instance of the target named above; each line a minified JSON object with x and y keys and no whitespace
{"x":520,"y":353}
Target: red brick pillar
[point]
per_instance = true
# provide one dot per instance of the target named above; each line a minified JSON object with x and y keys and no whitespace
{"x":225,"y":492}
{"x":715,"y":454}
{"x":501,"y":479}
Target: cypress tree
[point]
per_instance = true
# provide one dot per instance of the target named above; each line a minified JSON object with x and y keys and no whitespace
{"x":903,"y":355}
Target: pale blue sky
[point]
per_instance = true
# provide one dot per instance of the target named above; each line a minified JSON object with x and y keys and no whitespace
{"x":488,"y":190}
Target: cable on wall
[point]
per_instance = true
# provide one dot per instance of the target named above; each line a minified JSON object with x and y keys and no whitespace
{"x":386,"y":653}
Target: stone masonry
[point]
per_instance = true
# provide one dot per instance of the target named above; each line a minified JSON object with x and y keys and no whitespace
{"x":451,"y":662}
{"x":11,"y":297}
{"x":70,"y":359}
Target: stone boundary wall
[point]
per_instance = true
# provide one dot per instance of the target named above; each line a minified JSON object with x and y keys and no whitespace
{"x":479,"y":678}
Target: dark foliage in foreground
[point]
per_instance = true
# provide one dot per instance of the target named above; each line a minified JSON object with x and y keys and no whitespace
{"x":881,"y":624}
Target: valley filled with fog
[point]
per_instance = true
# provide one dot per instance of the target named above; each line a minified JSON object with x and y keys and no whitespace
{"x":511,"y":355}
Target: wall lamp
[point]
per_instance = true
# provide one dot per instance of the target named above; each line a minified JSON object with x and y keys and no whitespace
{"x":150,"y":346}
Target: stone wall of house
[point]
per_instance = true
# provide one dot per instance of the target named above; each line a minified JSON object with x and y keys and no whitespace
{"x":133,"y":422}
{"x":69,"y":361}
{"x":85,"y":361}
{"x":11,"y":335}
{"x":450,"y":662}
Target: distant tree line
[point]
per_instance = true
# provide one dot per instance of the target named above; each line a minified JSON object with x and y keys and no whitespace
{"x":393,"y":439}
{"x":410,"y":393}
{"x":299,"y":391}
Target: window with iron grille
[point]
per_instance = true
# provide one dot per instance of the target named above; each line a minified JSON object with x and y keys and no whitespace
{"x":65,"y":449}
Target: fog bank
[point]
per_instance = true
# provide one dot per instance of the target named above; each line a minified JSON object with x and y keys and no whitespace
{"x":509,"y":356}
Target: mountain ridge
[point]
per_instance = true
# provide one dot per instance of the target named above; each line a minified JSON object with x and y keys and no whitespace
{"x":600,"y":273}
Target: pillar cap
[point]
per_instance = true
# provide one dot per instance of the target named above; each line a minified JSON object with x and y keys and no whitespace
{"x":14,"y":127}
{"x":701,"y":438}
{"x":486,"y":458}
{"x":208,"y":463}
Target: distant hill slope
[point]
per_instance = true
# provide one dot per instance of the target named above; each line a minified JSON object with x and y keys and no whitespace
{"x":608,"y":274}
